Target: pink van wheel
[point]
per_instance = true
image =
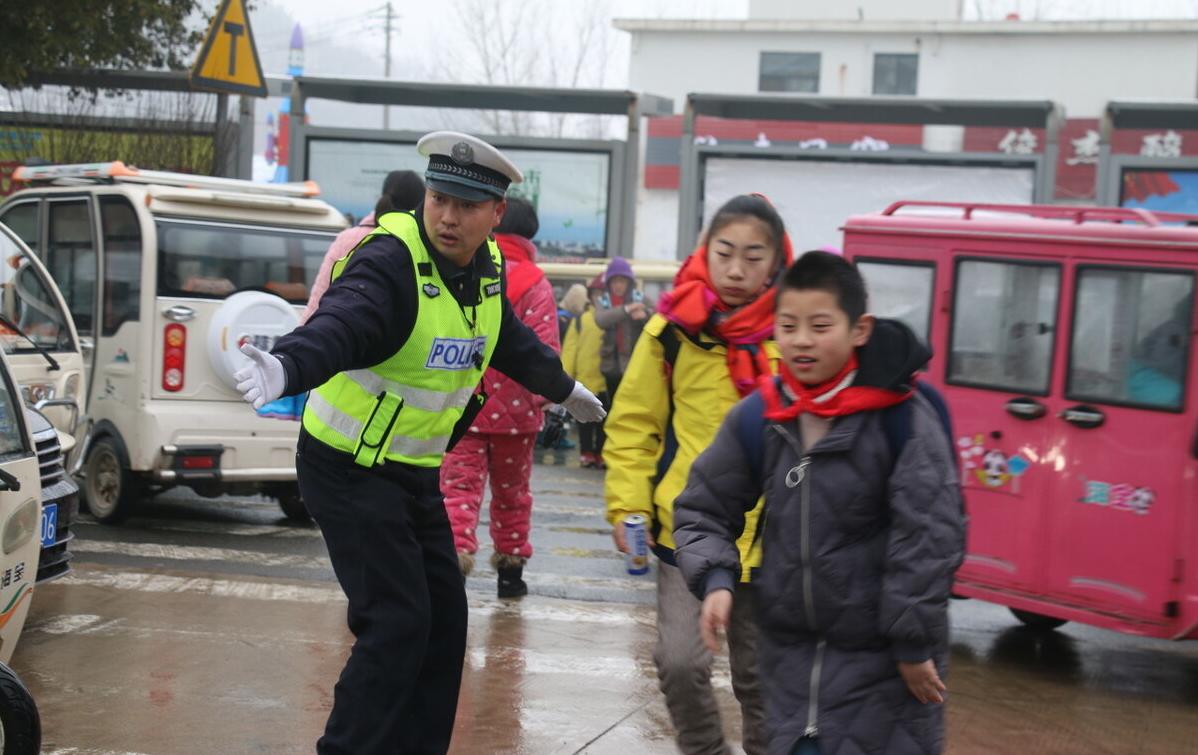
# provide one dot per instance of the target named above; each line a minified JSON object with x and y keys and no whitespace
{"x":1038,"y":620}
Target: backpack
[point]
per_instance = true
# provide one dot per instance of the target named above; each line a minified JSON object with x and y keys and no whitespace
{"x":896,"y":423}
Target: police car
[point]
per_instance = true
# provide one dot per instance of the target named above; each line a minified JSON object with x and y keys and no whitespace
{"x":165,"y":276}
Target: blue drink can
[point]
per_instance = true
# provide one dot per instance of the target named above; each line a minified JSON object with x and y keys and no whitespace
{"x":637,"y":557}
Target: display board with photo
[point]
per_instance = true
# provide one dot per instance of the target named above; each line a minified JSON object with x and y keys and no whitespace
{"x":569,"y":189}
{"x":1161,"y":190}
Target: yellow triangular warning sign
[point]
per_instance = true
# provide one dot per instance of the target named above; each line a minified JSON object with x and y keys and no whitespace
{"x":228,"y":61}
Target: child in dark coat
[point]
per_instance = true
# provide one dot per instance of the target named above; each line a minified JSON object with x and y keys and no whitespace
{"x":859,"y":547}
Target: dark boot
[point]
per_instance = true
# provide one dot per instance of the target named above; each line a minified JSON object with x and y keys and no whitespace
{"x":510,"y":569}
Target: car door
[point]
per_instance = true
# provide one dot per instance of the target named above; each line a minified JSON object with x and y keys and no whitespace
{"x":1000,"y":356}
{"x":70,"y":255}
{"x":1124,"y":436}
{"x":37,"y":334}
{"x":20,"y":514}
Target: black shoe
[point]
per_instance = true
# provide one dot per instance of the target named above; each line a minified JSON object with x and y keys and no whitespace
{"x":511,"y":582}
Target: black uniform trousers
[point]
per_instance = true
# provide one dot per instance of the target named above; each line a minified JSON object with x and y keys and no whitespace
{"x":392,"y":549}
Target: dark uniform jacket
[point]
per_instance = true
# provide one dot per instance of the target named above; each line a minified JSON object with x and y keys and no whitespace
{"x":859,"y":554}
{"x":368,"y":313}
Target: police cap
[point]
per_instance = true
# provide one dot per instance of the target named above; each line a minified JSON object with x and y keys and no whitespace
{"x":466,"y":167}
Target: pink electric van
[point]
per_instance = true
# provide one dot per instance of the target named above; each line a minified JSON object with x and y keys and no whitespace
{"x":1063,"y":344}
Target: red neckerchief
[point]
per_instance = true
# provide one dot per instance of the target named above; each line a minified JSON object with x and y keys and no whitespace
{"x":832,"y":398}
{"x":693,"y":302}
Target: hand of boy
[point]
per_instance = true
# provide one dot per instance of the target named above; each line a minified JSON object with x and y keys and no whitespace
{"x":621,"y":540}
{"x":923,"y":681}
{"x":714,"y":616}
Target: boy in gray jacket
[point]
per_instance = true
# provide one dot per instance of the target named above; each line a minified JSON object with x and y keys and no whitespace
{"x":862,"y":532}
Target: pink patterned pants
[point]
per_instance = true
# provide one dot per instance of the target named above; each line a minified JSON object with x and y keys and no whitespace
{"x":508,"y":460}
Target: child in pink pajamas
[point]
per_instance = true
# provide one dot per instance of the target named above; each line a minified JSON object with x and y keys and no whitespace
{"x":501,"y":440}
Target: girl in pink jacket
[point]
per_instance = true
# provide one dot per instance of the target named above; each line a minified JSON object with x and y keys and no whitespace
{"x":402,"y":190}
{"x":502,"y":438}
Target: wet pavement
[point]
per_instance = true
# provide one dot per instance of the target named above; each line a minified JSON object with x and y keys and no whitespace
{"x":214,"y":627}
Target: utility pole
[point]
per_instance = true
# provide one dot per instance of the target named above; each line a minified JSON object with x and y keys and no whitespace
{"x":387,"y":66}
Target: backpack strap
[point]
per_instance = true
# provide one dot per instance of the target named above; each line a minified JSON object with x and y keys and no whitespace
{"x":896,"y":420}
{"x":750,"y":430}
{"x":670,"y":345}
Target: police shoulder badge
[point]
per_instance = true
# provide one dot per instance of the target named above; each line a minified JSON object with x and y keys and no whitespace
{"x":431,"y":291}
{"x":493,"y":288}
{"x":462,"y":154}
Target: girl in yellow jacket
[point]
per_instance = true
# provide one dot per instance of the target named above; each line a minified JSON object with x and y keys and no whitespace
{"x":706,"y":349}
{"x":580,"y":358}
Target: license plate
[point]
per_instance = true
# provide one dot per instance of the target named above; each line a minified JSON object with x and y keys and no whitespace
{"x":49,"y":524}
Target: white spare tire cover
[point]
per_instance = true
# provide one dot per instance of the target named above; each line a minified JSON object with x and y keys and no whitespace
{"x":253,"y":316}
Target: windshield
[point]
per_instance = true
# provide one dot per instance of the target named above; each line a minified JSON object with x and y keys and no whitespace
{"x":214,"y":260}
{"x":27,"y":300}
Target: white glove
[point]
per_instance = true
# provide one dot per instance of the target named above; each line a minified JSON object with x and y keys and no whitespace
{"x":583,"y":406}
{"x":263,"y":379}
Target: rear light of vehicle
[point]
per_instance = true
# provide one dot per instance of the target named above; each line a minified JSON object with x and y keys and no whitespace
{"x":198,"y":462}
{"x":174,"y":356}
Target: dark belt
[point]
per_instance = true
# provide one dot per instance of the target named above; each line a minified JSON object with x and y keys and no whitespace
{"x":416,"y":480}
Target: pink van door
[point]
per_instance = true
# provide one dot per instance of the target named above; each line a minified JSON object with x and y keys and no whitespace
{"x":1122,"y":436}
{"x":996,"y":377}
{"x":1003,"y":330}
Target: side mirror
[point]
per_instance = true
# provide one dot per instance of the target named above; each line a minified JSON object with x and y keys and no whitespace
{"x":87,"y":345}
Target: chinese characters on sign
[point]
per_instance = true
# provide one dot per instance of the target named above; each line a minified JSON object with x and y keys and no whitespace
{"x":1120,"y":497}
{"x":1018,"y":142}
{"x":1167,"y":144}
{"x":13,"y":576}
{"x":1085,"y":149}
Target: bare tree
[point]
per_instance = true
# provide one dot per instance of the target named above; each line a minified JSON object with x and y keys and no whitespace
{"x":535,"y":43}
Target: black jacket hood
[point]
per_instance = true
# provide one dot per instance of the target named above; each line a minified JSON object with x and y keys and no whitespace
{"x":891,"y":357}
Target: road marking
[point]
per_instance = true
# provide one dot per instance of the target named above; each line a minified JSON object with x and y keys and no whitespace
{"x":562,"y":610}
{"x":212,"y":528}
{"x":199,"y":553}
{"x":602,"y":531}
{"x":568,"y":611}
{"x":86,"y":751}
{"x":70,"y":624}
{"x":222,"y":588}
{"x":538,"y":662}
{"x":597,"y":553}
{"x":115,"y":627}
{"x":555,"y":583}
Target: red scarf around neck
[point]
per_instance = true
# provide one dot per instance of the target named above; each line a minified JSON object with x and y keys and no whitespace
{"x":832,"y":398}
{"x":694,"y":305}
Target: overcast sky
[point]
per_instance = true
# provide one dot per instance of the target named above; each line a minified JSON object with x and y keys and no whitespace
{"x":423,"y":28}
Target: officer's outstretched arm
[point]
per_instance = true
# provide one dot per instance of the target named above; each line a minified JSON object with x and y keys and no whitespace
{"x":365,"y":316}
{"x":522,"y":356}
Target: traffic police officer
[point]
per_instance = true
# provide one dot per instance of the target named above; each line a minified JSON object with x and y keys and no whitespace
{"x":393,"y":355}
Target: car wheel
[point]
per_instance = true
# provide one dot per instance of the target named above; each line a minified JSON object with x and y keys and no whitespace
{"x":109,"y":488}
{"x":20,"y":724}
{"x":292,"y":503}
{"x":1038,"y":620}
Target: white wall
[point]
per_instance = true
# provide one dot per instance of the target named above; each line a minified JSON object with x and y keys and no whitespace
{"x":871,"y":10}
{"x":656,"y":224}
{"x":1082,"y":72}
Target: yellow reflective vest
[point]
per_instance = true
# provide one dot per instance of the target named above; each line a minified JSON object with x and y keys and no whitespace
{"x":405,"y":408}
{"x":642,"y":426}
